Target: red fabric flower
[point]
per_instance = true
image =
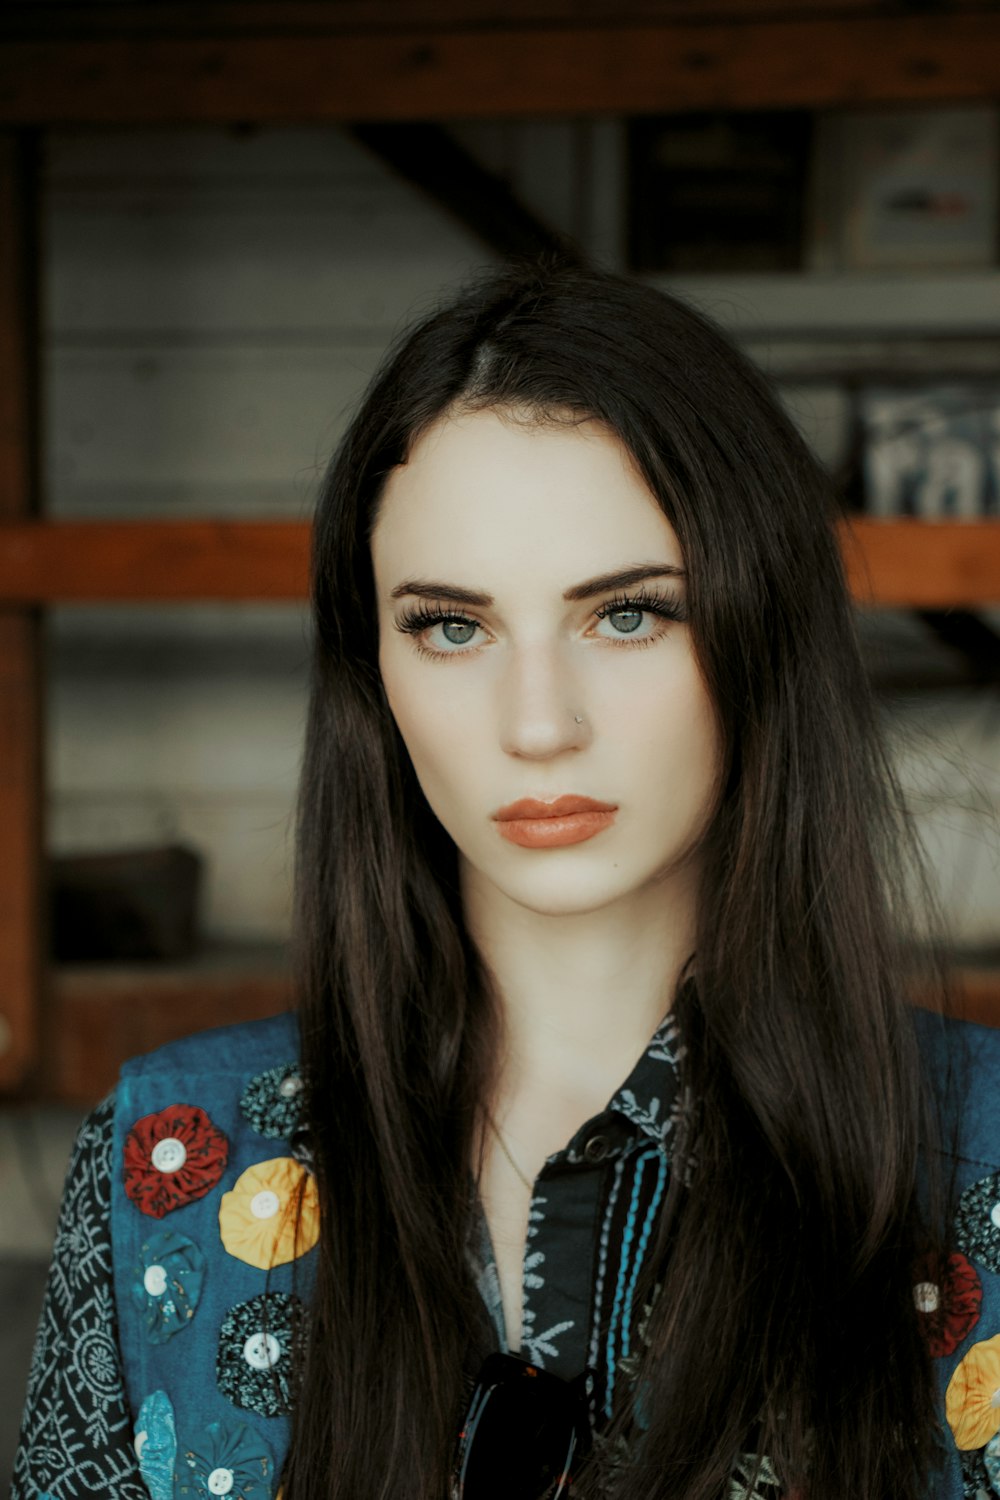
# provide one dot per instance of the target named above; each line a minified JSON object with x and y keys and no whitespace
{"x":948,"y":1298}
{"x":173,"y":1157}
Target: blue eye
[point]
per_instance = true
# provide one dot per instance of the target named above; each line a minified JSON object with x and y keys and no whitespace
{"x":458,"y":632}
{"x":638,"y":619}
{"x":625,"y":620}
{"x":438,"y":632}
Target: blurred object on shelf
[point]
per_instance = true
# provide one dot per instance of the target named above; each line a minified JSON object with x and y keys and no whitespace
{"x":125,"y":905}
{"x":931,"y":452}
{"x":905,"y":189}
{"x":718,"y":192}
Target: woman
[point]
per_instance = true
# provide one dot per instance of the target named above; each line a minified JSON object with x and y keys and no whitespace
{"x":602,"y":987}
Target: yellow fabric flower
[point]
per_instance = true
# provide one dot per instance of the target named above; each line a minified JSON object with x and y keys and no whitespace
{"x":257,"y":1217}
{"x":972,"y":1401}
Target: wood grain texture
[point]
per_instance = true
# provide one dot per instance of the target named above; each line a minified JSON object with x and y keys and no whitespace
{"x":87,"y":18}
{"x":923,"y":564}
{"x":20,"y":629}
{"x":439,"y":74}
{"x":142,"y":561}
{"x":898,"y":564}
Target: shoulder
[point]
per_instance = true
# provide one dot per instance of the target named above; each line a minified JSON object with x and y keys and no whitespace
{"x":223,"y":1050}
{"x":962,"y":1066}
{"x":958,"y":1297}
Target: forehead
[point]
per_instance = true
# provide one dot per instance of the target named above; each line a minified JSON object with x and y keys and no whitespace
{"x":484,"y":493}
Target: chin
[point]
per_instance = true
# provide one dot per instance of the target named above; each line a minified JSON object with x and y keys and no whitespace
{"x":557,"y":892}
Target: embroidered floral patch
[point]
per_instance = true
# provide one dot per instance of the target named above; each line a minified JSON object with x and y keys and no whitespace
{"x":172,"y":1158}
{"x":970,"y":1400}
{"x":256,"y":1342}
{"x":272,"y":1101}
{"x":977,"y":1223}
{"x":975,"y":1480}
{"x":271,"y":1215}
{"x":226,"y":1459}
{"x":991,"y":1463}
{"x":156,"y":1445}
{"x":166,"y":1284}
{"x":948,"y":1297}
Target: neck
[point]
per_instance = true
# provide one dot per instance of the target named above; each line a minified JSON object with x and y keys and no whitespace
{"x":580,"y":994}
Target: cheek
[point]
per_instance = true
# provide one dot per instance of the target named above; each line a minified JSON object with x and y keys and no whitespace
{"x":680,"y":745}
{"x":438,"y":733}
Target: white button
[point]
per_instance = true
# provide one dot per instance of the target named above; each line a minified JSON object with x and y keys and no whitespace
{"x":265,"y":1205}
{"x":220,"y":1481}
{"x":141,"y":1439}
{"x":169,"y":1155}
{"x":927,"y":1297}
{"x":995,"y":1214}
{"x":261,"y":1351}
{"x":290,"y":1086}
{"x":155,"y":1281}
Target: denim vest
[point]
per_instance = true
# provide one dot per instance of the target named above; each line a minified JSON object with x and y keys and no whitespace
{"x":204,"y":1239}
{"x":210,"y":1292}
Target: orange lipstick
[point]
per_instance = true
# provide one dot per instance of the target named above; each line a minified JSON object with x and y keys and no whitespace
{"x":552,"y":825}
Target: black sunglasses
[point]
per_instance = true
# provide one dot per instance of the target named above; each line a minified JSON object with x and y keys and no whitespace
{"x":524,"y":1432}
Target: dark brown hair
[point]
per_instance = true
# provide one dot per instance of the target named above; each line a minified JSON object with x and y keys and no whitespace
{"x":785,"y":1322}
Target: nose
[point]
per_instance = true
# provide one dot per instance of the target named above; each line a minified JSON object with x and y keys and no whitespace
{"x":542,"y":714}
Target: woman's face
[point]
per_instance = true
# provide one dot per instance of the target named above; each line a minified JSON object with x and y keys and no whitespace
{"x":534,"y":648}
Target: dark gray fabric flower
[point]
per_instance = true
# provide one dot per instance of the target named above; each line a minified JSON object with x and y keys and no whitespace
{"x":256,"y":1342}
{"x":977,"y":1223}
{"x":272,"y":1101}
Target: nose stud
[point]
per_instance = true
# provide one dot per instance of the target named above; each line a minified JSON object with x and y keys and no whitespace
{"x":578,"y":718}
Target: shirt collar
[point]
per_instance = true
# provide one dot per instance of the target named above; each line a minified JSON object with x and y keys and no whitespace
{"x":650,"y":1097}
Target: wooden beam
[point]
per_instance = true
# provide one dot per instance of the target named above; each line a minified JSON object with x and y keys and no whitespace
{"x":517,"y":70}
{"x":94,"y":18}
{"x":68,"y":562}
{"x":902,"y":564}
{"x":426,"y":155}
{"x":911,"y":564}
{"x":20,"y":627}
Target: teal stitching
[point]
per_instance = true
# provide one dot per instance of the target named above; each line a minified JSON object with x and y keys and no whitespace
{"x":627,"y":1239}
{"x":641,"y":1255}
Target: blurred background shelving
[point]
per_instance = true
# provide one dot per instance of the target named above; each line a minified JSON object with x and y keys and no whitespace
{"x":215,"y":219}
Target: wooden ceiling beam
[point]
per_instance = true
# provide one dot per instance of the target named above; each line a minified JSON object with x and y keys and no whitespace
{"x":63,"y":19}
{"x":901,"y":564}
{"x":517,"y":70}
{"x":427,"y":156}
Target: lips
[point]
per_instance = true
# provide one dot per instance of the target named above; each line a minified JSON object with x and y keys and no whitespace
{"x":534,"y":824}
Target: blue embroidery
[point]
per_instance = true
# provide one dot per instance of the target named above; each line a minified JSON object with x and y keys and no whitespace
{"x":628,"y":1238}
{"x":640,"y":1257}
{"x":227,"y":1459}
{"x":166,"y":1284}
{"x":156,"y":1445}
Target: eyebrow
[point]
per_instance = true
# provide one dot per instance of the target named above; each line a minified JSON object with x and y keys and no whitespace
{"x":603,"y":583}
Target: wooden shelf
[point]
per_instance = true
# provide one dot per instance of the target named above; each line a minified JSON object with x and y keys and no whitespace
{"x":902,"y":564}
{"x":532,"y":64}
{"x":64,"y":562}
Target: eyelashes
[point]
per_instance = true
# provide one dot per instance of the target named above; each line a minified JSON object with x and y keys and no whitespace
{"x":665,"y":606}
{"x":416,"y":620}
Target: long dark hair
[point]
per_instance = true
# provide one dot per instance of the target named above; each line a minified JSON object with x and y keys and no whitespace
{"x":784,"y":1322}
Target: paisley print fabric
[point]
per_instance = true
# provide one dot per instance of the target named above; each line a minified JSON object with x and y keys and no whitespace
{"x":77,"y":1428}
